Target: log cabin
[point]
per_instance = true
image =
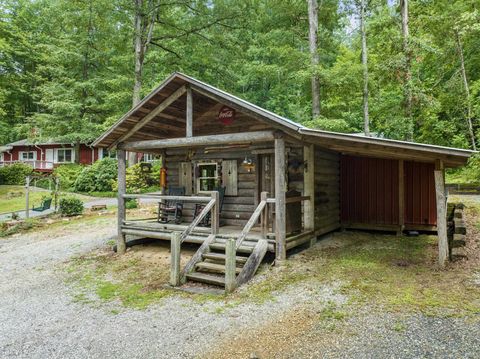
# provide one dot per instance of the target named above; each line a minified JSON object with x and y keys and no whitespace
{"x":266,"y":183}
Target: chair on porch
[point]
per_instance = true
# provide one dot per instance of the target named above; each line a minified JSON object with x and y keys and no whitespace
{"x":171,"y":210}
{"x":199,"y":207}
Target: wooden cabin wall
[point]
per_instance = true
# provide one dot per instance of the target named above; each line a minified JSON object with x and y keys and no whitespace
{"x":236,"y":210}
{"x":327,"y":191}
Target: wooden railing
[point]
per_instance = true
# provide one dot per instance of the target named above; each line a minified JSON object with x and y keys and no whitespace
{"x":211,"y":205}
{"x":35,"y":164}
{"x":260,"y":210}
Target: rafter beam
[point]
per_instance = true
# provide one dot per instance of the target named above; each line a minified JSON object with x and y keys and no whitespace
{"x":162,"y":106}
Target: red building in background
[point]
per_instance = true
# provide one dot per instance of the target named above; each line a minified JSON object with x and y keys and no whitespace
{"x":46,"y":156}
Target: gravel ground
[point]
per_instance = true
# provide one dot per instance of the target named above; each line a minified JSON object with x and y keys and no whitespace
{"x":40,"y":319}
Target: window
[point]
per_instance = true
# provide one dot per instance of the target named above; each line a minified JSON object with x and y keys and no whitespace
{"x":28,"y":156}
{"x":148,"y":157}
{"x":207,"y":177}
{"x":64,"y":155}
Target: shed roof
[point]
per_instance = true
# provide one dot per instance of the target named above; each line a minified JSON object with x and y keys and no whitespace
{"x":164,"y":125}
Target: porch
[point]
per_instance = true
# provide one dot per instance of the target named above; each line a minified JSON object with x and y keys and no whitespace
{"x":36,"y":165}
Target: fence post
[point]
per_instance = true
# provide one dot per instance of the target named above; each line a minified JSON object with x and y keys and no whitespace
{"x":230,"y":265}
{"x":175,"y":259}
{"x":215,"y":213}
{"x":27,"y":189}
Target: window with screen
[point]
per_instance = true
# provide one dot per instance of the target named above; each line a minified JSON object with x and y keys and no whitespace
{"x":207,"y":177}
{"x":64,"y":155}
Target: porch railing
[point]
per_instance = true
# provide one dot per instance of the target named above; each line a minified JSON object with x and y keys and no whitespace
{"x":35,"y":164}
{"x":211,"y":205}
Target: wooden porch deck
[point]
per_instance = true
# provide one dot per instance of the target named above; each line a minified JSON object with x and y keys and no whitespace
{"x":153,"y":229}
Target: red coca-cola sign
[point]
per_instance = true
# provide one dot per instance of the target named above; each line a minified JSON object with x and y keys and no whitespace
{"x":226,"y":115}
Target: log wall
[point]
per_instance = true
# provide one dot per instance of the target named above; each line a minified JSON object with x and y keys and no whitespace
{"x":327,"y":191}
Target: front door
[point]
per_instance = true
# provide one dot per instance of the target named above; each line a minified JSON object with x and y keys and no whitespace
{"x":49,"y":158}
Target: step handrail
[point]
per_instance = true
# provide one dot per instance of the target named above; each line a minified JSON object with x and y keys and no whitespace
{"x":253,"y":219}
{"x":211,"y":205}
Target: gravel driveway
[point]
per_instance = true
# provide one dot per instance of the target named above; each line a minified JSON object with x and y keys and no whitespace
{"x":39,"y":317}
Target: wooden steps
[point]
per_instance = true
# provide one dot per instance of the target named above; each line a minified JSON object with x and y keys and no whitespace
{"x":221,"y":257}
{"x":206,"y":278}
{"x":208,"y":263}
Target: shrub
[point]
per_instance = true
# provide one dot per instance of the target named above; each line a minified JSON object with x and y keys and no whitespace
{"x":67,"y":174}
{"x":15,"y":174}
{"x":138,"y":179}
{"x":70,"y":206}
{"x":98,"y":177}
{"x":131,"y":203}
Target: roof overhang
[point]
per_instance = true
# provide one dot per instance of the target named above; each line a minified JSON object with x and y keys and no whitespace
{"x":6,"y":148}
{"x":171,"y":91}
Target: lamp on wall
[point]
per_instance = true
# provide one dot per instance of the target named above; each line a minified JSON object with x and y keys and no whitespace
{"x":248,"y":164}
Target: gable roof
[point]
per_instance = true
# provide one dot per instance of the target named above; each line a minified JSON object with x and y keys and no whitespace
{"x":340,"y":142}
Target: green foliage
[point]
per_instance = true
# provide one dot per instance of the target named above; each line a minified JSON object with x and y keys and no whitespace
{"x":138,"y":179}
{"x":98,"y":177}
{"x":70,"y":206}
{"x":131,"y":203}
{"x":14,"y":174}
{"x":67,"y":66}
{"x":67,"y":174}
{"x":469,"y":174}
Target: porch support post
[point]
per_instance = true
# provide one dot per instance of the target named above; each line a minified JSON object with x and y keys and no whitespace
{"x":189,"y":119}
{"x":280,"y":190}
{"x":441,"y":213}
{"x":309,"y":189}
{"x":122,"y":165}
{"x":175,"y":259}
{"x":230,"y":265}
{"x":401,"y":198}
{"x":215,"y":213}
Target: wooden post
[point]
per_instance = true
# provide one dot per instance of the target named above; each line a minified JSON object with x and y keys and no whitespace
{"x":230,"y":265}
{"x":401,"y":198}
{"x":280,"y":191}
{"x":57,"y":185}
{"x":215,"y":215}
{"x":175,"y":259}
{"x":27,"y":190}
{"x":189,"y":119}
{"x":441,"y":213}
{"x":309,"y":189}
{"x":122,"y":165}
{"x":264,"y":215}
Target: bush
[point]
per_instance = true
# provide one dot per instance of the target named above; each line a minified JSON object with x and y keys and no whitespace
{"x":131,"y":203}
{"x":138,"y":179}
{"x":15,"y":174}
{"x":70,"y":206}
{"x":98,"y":177}
{"x":67,"y":174}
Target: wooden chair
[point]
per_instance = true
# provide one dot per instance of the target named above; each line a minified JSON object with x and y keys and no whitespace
{"x":199,"y":206}
{"x":46,"y":203}
{"x":171,"y":209}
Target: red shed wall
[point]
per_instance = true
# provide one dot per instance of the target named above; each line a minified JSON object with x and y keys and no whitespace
{"x":369,"y":192}
{"x":420,"y":201}
{"x":85,"y":152}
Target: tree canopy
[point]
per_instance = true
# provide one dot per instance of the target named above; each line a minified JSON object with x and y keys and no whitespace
{"x":69,"y":68}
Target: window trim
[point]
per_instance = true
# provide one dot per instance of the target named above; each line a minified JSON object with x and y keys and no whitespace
{"x":72,"y":158}
{"x":21,"y":153}
{"x":198,"y":178}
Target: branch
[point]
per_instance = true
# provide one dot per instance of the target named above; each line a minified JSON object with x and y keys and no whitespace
{"x":165,"y":49}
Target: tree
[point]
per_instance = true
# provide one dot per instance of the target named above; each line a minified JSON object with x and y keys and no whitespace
{"x":363,"y":31}
{"x":313,"y":43}
{"x":408,"y":61}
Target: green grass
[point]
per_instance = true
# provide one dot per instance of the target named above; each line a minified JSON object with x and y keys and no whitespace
{"x":12,"y":198}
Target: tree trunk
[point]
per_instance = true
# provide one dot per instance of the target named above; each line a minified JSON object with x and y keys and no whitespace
{"x":366,"y":120}
{"x":143,"y":28}
{"x":407,"y":80}
{"x":312,"y":36}
{"x":467,"y":90}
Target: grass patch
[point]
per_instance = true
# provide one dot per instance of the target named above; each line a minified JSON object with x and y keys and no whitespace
{"x":12,"y":198}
